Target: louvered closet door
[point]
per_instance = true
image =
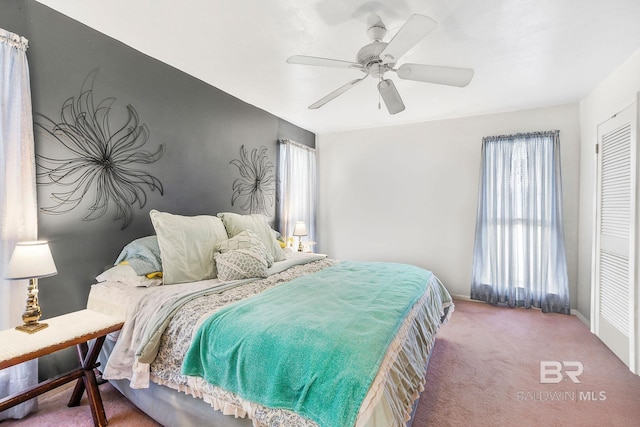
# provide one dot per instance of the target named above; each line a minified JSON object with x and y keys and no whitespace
{"x":615,"y":243}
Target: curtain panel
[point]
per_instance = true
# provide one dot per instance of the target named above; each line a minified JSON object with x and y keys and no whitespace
{"x":519,"y":253}
{"x":18,"y":211}
{"x":296,"y":188}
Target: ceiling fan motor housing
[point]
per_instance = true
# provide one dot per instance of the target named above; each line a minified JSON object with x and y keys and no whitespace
{"x":369,"y":58}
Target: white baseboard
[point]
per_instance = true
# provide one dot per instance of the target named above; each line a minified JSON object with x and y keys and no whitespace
{"x":580,"y":316}
{"x":462,"y":297}
{"x":574,"y":312}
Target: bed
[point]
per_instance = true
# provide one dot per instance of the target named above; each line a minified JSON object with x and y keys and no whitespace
{"x":266,"y":337}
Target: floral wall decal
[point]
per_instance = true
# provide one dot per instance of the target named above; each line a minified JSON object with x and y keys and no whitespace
{"x":102,"y":160}
{"x":256,"y":185}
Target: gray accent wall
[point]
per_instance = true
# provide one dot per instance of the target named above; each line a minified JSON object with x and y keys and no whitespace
{"x":201,"y":127}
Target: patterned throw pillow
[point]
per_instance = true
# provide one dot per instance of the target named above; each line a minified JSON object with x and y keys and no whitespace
{"x":245,"y":240}
{"x":240,"y":264}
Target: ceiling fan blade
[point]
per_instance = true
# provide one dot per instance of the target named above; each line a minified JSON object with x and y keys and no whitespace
{"x":452,"y":76}
{"x":336,"y":93}
{"x":390,"y":96}
{"x":414,"y":30}
{"x":323,"y":62}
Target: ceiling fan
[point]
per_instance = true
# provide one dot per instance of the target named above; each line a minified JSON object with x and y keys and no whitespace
{"x":378,"y":57}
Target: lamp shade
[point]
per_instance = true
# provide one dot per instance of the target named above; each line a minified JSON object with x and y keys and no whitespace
{"x":31,"y":260}
{"x":300,"y":229}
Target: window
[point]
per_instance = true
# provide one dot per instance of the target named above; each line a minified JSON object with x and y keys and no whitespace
{"x":519,"y":256}
{"x":296,"y":188}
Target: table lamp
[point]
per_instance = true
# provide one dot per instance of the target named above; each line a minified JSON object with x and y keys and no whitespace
{"x":300,"y":230}
{"x":31,"y":260}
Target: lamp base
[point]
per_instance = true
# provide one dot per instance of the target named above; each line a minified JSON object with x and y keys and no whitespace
{"x":31,"y":328}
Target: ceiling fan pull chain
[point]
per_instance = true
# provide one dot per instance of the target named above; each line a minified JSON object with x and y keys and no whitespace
{"x":379,"y":80}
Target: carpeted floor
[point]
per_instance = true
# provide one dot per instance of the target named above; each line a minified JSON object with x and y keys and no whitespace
{"x":53,"y":411}
{"x":484,"y":371}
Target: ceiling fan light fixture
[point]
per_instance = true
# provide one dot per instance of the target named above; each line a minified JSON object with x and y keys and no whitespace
{"x":390,"y":96}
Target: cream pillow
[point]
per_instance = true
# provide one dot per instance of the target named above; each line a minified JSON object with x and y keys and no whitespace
{"x":236,"y":224}
{"x":187,"y":245}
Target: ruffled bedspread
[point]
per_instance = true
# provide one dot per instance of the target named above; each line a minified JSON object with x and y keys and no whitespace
{"x":397,"y":385}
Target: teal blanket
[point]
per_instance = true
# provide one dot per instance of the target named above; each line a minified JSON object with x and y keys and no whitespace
{"x":312,"y":345}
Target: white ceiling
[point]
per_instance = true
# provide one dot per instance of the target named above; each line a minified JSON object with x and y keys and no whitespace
{"x":525,"y":53}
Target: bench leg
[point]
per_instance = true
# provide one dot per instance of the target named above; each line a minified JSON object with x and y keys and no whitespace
{"x":89,"y":383}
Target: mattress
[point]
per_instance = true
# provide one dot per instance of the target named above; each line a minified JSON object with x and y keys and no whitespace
{"x":115,"y":298}
{"x":404,"y":361}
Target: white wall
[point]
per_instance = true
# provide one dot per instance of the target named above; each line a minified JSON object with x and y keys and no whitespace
{"x":409,"y":193}
{"x":608,"y":98}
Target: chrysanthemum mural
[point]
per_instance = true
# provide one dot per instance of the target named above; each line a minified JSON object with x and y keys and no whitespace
{"x":256,"y":185}
{"x":102,"y":161}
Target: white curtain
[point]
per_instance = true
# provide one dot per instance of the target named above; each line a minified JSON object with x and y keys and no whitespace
{"x":18,"y":211}
{"x":296,"y":188}
{"x":519,"y":255}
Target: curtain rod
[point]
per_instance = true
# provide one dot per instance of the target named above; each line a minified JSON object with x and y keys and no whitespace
{"x":13,"y":40}
{"x":522,"y":134}
{"x":297,"y":144}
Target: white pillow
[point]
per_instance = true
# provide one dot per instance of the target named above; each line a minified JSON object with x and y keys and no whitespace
{"x":236,"y":224}
{"x":187,"y":245}
{"x":124,"y":273}
{"x":294,"y":258}
{"x":240,"y":264}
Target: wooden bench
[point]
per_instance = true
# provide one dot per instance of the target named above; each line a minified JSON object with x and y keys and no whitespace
{"x":77,"y":328}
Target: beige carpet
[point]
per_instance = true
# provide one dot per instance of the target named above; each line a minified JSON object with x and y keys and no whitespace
{"x":54,"y":412}
{"x":484,"y":371}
